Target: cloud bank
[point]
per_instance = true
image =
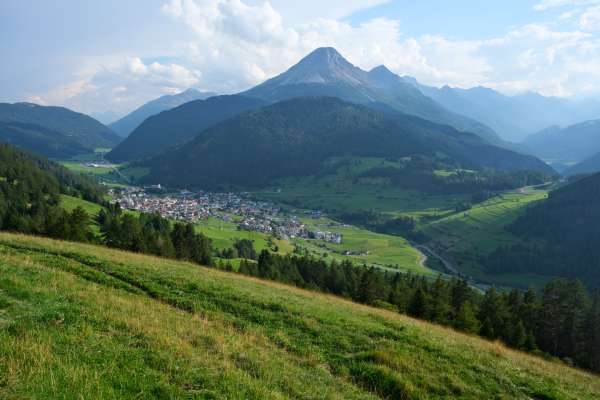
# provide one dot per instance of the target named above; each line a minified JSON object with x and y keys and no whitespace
{"x":235,"y":44}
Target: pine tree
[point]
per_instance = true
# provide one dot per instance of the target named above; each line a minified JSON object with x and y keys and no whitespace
{"x":487,"y":329}
{"x":418,"y":304}
{"x":466,"y":320}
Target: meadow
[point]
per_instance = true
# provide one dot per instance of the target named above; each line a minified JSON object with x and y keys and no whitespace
{"x":358,"y":245}
{"x":466,"y":236}
{"x":80,"y":321}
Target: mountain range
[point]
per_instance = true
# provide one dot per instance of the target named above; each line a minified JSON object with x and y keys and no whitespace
{"x":179,"y":125}
{"x":567,"y":145}
{"x":124,"y":126}
{"x":324,"y":72}
{"x":53,"y":130}
{"x":294,"y":138}
{"x":514,"y":118}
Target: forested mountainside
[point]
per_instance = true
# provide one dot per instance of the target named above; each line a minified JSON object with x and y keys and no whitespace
{"x":294,"y":137}
{"x":80,"y":128}
{"x":560,"y":235}
{"x":40,"y":140}
{"x":179,"y":125}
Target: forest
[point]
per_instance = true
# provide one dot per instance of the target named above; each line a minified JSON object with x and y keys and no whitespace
{"x":559,"y":236}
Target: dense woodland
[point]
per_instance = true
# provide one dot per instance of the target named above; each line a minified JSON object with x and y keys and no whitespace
{"x":560,"y":236}
{"x":420,"y":173}
{"x":30,"y":189}
{"x":294,"y":138}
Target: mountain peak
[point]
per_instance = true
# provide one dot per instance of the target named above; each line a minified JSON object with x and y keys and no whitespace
{"x":381,"y":69}
{"x":323,"y":65}
{"x":323,"y":54}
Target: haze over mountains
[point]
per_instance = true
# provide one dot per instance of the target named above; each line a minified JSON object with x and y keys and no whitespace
{"x":124,"y":126}
{"x":514,"y":118}
{"x":568,"y":145}
{"x":179,"y":125}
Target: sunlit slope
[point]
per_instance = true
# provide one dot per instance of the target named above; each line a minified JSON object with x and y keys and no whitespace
{"x":78,"y":321}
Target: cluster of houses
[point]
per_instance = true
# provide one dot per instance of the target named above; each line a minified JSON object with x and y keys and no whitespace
{"x":250,"y":215}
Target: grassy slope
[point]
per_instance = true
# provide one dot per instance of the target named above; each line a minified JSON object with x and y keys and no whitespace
{"x":383,"y":250}
{"x":69,"y":203}
{"x":225,"y":234}
{"x":466,"y":236}
{"x":86,"y":322}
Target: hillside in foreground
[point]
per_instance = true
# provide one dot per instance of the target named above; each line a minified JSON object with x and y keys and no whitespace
{"x":80,"y":321}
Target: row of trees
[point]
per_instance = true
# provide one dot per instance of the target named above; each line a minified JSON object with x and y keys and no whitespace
{"x":562,"y":321}
{"x":153,"y":234}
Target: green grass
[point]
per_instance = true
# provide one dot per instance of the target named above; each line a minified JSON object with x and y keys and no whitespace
{"x":85,"y":170}
{"x":367,"y":247}
{"x":224,"y":234}
{"x":84,"y":322}
{"x":466,"y":236}
{"x":384,"y":250}
{"x":69,"y":203}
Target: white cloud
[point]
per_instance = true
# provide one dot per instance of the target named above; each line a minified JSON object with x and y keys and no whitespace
{"x":122,"y":84}
{"x":234,"y":44}
{"x":545,"y":5}
{"x":590,"y":19}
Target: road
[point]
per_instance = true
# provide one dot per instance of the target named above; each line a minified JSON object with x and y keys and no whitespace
{"x":447,"y":264}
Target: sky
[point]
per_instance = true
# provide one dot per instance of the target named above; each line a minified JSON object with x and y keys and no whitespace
{"x":114,"y":55}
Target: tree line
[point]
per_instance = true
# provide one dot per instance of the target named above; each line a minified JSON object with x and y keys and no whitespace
{"x":560,"y":236}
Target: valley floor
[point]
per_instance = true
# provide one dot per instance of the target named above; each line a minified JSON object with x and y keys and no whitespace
{"x":79,"y":321}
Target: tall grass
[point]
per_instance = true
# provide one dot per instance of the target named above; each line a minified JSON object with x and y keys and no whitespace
{"x":85,"y":322}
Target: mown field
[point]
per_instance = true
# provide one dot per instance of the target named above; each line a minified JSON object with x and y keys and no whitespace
{"x":365,"y":247}
{"x":83,"y":322}
{"x":465,"y":237}
{"x":224,"y":234}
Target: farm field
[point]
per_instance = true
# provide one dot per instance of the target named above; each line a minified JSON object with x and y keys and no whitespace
{"x":383,"y":250}
{"x":365,"y":247}
{"x":464,"y":237}
{"x":224,"y":234}
{"x":88,"y":322}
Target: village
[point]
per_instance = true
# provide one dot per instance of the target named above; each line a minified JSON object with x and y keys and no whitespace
{"x":246,"y":213}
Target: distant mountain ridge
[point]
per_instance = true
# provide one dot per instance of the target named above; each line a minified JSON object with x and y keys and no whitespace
{"x":179,"y":125}
{"x":324,"y":72}
{"x":293,"y":138}
{"x":588,"y":166}
{"x":78,"y":128}
{"x":573,"y":143}
{"x":124,"y":126}
{"x":512,"y":117}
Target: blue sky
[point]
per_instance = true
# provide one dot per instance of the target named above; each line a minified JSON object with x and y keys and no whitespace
{"x":113,"y":55}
